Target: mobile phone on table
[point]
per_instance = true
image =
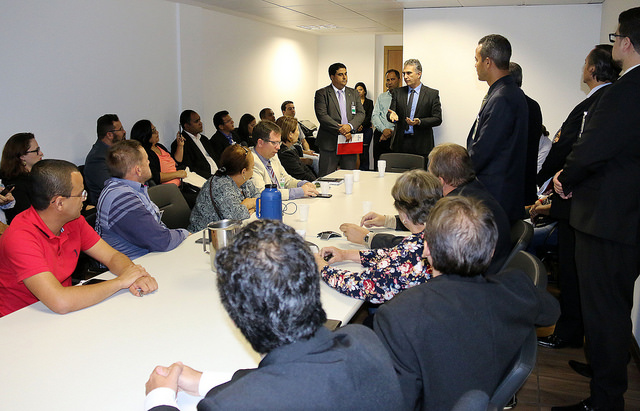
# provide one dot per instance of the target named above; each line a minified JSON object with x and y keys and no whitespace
{"x":324,"y":195}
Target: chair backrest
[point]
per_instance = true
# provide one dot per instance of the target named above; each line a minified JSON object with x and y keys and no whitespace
{"x":521,"y":234}
{"x":532,"y":266}
{"x":517,"y":373}
{"x":401,"y":162}
{"x":170,"y":201}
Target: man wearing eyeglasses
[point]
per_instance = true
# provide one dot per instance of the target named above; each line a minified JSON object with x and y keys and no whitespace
{"x":110,"y":131}
{"x":267,"y":168}
{"x":602,"y":176}
{"x":127,"y":219}
{"x":40,"y":250}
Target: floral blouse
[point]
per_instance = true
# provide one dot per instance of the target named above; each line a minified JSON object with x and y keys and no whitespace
{"x":388,"y":272}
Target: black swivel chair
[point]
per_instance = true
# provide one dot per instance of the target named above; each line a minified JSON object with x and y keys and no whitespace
{"x":521,"y":234}
{"x":172,"y":204}
{"x":516,"y":375}
{"x":401,"y":162}
{"x":532,"y":266}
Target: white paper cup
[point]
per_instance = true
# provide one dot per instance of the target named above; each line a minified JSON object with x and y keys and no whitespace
{"x":324,"y":187}
{"x":348,"y":184}
{"x":382,"y":165}
{"x":303,"y":212}
{"x":302,"y":232}
{"x":356,"y":175}
{"x":366,"y":207}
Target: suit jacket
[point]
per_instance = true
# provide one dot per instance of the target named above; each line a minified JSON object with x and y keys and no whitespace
{"x":261,"y":176}
{"x":96,"y":171}
{"x":326,"y":372}
{"x":193,"y":157}
{"x":569,"y":132}
{"x":219,"y":142}
{"x":290,"y":160}
{"x":534,"y":131}
{"x":603,"y":170}
{"x":497,"y":144}
{"x":454,"y":334}
{"x":328,"y":115}
{"x":428,"y":110}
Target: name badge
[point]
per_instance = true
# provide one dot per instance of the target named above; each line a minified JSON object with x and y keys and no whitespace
{"x":353,"y":108}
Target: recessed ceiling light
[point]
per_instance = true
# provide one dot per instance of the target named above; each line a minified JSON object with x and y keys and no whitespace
{"x":320,"y":27}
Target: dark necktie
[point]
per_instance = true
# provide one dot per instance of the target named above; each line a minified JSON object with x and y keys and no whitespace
{"x":410,"y":106}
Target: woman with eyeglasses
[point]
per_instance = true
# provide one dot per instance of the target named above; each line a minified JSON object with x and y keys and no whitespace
{"x":290,"y":154}
{"x":229,"y":193}
{"x":20,"y":153}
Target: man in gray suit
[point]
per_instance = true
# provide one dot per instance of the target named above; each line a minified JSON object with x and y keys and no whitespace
{"x":339,"y":111}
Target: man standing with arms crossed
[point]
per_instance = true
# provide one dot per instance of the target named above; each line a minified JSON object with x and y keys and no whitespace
{"x":602,"y":175}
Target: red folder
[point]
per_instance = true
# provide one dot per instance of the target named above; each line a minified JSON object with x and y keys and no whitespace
{"x":354,"y":146}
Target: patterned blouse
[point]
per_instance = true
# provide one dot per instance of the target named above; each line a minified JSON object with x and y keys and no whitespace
{"x":388,"y":272}
{"x":228,"y":201}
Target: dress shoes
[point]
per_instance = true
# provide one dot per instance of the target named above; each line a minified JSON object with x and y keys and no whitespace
{"x":581,"y":368}
{"x":553,"y":341}
{"x":584,"y":405}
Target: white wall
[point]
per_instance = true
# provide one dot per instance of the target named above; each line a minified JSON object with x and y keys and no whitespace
{"x":230,"y":63}
{"x":549,"y":42}
{"x":356,"y":51}
{"x":67,"y":62}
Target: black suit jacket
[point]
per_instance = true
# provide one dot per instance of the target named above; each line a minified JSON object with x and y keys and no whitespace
{"x":603,"y":170}
{"x":219,"y":142}
{"x":193,"y":157}
{"x":324,"y":372}
{"x":328,"y":114}
{"x":533,"y":142}
{"x":428,"y":110}
{"x":498,"y":148}
{"x":454,"y":334}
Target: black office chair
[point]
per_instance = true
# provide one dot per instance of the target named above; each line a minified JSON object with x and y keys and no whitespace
{"x":170,"y":201}
{"x":401,"y":162}
{"x":521,"y":234}
{"x":517,"y":373}
{"x":532,"y":266}
{"x":474,"y":400}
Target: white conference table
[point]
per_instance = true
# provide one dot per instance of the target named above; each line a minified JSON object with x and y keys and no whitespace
{"x":99,"y":358}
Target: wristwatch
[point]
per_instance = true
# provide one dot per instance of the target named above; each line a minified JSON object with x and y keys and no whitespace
{"x":366,"y":238}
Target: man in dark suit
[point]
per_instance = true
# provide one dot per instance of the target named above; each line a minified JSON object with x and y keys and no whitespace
{"x":602,"y":175}
{"x":461,"y":330}
{"x":339,"y":112}
{"x":225,"y":134}
{"x":497,"y":142}
{"x":534,"y":131}
{"x":415,"y":108}
{"x":599,"y":72}
{"x":269,"y":285}
{"x":197,"y":152}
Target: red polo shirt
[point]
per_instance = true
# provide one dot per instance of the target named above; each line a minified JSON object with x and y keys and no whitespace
{"x":28,"y":248}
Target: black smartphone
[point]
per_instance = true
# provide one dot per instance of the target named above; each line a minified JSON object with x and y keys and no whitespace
{"x":324,"y":195}
{"x":7,"y":189}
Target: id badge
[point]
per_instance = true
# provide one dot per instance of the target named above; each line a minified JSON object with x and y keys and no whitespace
{"x":353,"y":109}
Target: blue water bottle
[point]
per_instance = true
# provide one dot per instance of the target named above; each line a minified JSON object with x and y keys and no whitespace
{"x":269,"y":204}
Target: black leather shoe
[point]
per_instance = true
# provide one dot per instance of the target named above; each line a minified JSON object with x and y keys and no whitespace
{"x":581,"y":368}
{"x":553,"y":341}
{"x":584,"y":405}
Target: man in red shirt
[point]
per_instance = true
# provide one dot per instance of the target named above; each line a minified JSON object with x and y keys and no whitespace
{"x":40,"y":250}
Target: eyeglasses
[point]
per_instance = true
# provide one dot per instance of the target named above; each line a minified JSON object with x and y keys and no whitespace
{"x":36,"y":150}
{"x":82,"y":195}
{"x":275,"y":143}
{"x":612,"y":37}
{"x":113,"y":131}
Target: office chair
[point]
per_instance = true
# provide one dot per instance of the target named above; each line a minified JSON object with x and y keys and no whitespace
{"x":174,"y":208}
{"x":521,"y":234}
{"x":532,"y":266}
{"x":401,"y":162}
{"x":517,"y":373}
